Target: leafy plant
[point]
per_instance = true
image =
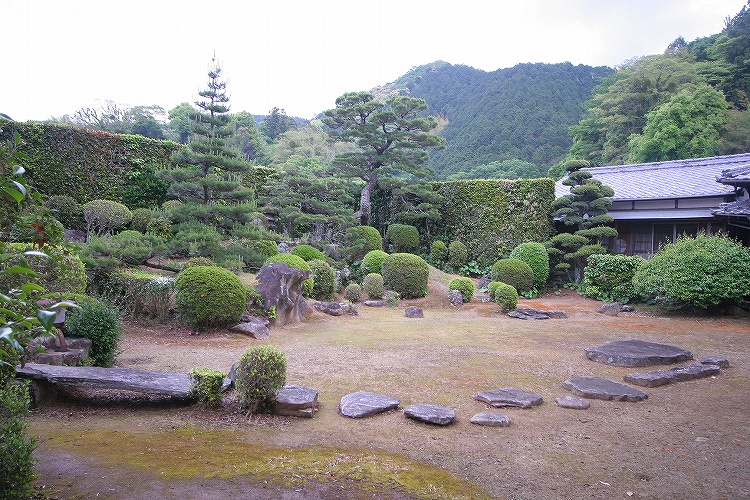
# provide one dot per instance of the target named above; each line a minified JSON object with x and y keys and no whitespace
{"x":308,"y":253}
{"x":373,"y":285}
{"x":323,"y":278}
{"x":463,"y":285}
{"x":514,"y":272}
{"x":205,"y":385}
{"x":458,"y":254}
{"x":536,"y":256}
{"x":372,"y":262}
{"x":360,"y":240}
{"x":140,"y":220}
{"x":209,"y":296}
{"x":99,"y":322}
{"x":16,"y":447}
{"x":102,"y":217}
{"x":506,"y":296}
{"x":406,"y":274}
{"x":261,"y":374}
{"x":403,"y":237}
{"x":438,"y":252}
{"x":610,"y":277}
{"x":353,"y":292}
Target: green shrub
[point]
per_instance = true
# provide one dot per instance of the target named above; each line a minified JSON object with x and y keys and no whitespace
{"x":463,"y":285}
{"x":261,"y":374}
{"x":209,"y":296}
{"x":140,"y":220}
{"x":129,"y":247}
{"x":64,"y":272}
{"x":515,"y":273}
{"x":65,"y":209}
{"x":38,"y":228}
{"x":372,"y":262}
{"x":406,"y":274}
{"x":536,"y":256}
{"x":323,"y":279}
{"x":99,"y":322}
{"x":708,"y":272}
{"x":308,"y":253}
{"x":297,"y":262}
{"x":360,"y":240}
{"x":198,"y":261}
{"x":439,"y":252}
{"x":610,"y":277}
{"x":403,"y":237}
{"x":126,"y":289}
{"x":16,"y":446}
{"x":373,"y":286}
{"x":160,"y":227}
{"x":506,"y":296}
{"x":104,"y":216}
{"x":205,"y":385}
{"x":491,"y":287}
{"x":458,"y":254}
{"x":194,"y":239}
{"x":353,"y":292}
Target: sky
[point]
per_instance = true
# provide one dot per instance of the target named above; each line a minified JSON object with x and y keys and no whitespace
{"x":300,"y":55}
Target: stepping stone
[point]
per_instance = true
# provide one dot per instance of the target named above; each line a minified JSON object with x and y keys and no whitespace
{"x":694,"y":371}
{"x":375,"y":303}
{"x":432,"y":414}
{"x":656,"y":378}
{"x":296,"y":401}
{"x":715,"y":360}
{"x":602,"y":388}
{"x":637,"y":353}
{"x":509,"y":397}
{"x":572,"y":402}
{"x":363,"y":404}
{"x":490,"y":419}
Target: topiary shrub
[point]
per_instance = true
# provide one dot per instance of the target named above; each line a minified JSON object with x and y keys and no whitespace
{"x":373,"y":286}
{"x":209,"y":296}
{"x":104,"y":216}
{"x":536,"y":256}
{"x":491,"y":287}
{"x":708,"y":272}
{"x":515,"y":273}
{"x":99,"y":322}
{"x":610,"y":277}
{"x":198,"y":261}
{"x":140,"y":220}
{"x":16,"y":446}
{"x":438,"y":252}
{"x":297,"y":262}
{"x":361,"y":239}
{"x":403,"y":237}
{"x":458,"y":254}
{"x":406,"y":274}
{"x":205,"y":385}
{"x":506,"y":296}
{"x":323,"y":279}
{"x":353,"y":292}
{"x":261,"y":374}
{"x":372,"y":262}
{"x":308,"y":253}
{"x":463,"y":285}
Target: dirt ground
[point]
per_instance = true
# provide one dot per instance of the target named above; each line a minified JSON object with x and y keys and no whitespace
{"x":687,"y":440}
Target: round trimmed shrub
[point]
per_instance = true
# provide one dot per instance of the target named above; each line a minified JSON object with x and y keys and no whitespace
{"x":403,"y":237}
{"x":323,"y":279}
{"x":308,"y":253}
{"x":438,"y":252}
{"x":205,"y":385}
{"x":536,"y":256}
{"x":372,"y":262}
{"x":104,"y":216}
{"x":515,"y":273}
{"x":261,"y":374}
{"x":708,"y":272}
{"x":99,"y":322}
{"x":160,"y":227}
{"x":463,"y":285}
{"x":360,"y":240}
{"x":610,"y":277}
{"x":373,"y":285}
{"x":209,"y":296}
{"x":140,"y":220}
{"x":458,"y":254}
{"x":506,"y":296}
{"x":353,"y":292}
{"x":491,"y":287}
{"x":198,"y":261}
{"x":406,"y":274}
{"x":297,"y":262}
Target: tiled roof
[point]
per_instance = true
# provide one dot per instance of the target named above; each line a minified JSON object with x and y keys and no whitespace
{"x":738,"y":174}
{"x":737,"y":209}
{"x":667,"y":179}
{"x":670,"y":214}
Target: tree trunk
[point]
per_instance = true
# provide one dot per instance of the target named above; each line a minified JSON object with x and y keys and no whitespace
{"x":365,"y":205}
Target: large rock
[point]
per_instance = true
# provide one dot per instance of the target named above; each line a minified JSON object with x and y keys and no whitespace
{"x":455,"y":298}
{"x":296,"y":401}
{"x":255,"y":327}
{"x":363,"y":404}
{"x":432,"y":414}
{"x":637,"y":353}
{"x":414,"y":312}
{"x":509,"y":397}
{"x":490,"y":419}
{"x":614,"y":308}
{"x":602,"y":388}
{"x":281,"y":287}
{"x":335,"y":308}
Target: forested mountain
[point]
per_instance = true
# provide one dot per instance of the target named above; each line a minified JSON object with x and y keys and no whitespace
{"x":519,"y":113}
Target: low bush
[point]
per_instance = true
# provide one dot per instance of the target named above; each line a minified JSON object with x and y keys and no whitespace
{"x":323,"y":279}
{"x":205,"y":385}
{"x":463,"y":285}
{"x":506,"y":296}
{"x":403,"y":237}
{"x":16,"y":446}
{"x":195,"y":240}
{"x":610,"y":277}
{"x":361,"y":239}
{"x":161,"y":227}
{"x":198,"y":261}
{"x":308,"y":253}
{"x":99,"y":322}
{"x":458,"y":254}
{"x":261,"y":374}
{"x":140,"y":220}
{"x":209,"y":296}
{"x":406,"y":274}
{"x":515,"y":273}
{"x":438,"y":253}
{"x":372,"y":262}
{"x":353,"y":292}
{"x":297,"y":262}
{"x":707,"y":272}
{"x":38,"y":228}
{"x":373,"y":285}
{"x":536,"y":256}
{"x":129,"y":247}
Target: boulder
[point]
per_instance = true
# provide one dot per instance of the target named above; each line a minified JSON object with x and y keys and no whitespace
{"x":363,"y":404}
{"x":281,"y":287}
{"x":602,"y":388}
{"x":490,"y":419}
{"x":509,"y":397}
{"x":432,"y":414}
{"x":637,"y":353}
{"x":335,"y":308}
{"x":484,"y":281}
{"x":572,"y":403}
{"x":296,"y":401}
{"x":255,"y":330}
{"x":529,"y":313}
{"x":455,"y":298}
{"x":283,"y":247}
{"x":656,"y":378}
{"x":414,"y":312}
{"x":611,"y":309}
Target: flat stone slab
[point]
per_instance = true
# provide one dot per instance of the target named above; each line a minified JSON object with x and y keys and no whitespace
{"x":715,"y":360}
{"x":432,"y":414}
{"x":602,"y":388}
{"x":637,"y":353}
{"x":572,"y":403}
{"x":656,"y":378}
{"x":529,"y":313}
{"x":296,"y":401}
{"x":490,"y":419}
{"x":363,"y":404}
{"x":509,"y":397}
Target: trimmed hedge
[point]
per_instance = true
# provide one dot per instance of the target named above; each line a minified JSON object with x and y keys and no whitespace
{"x":360,"y":240}
{"x":323,"y":279}
{"x":403,"y":237}
{"x":458,"y":254}
{"x":308,"y":253}
{"x":438,"y":252}
{"x":261,"y":374}
{"x":209,"y":296}
{"x":99,"y":322}
{"x":353,"y":292}
{"x":610,"y":277}
{"x":515,"y":273}
{"x":506,"y":296}
{"x":463,"y":285}
{"x":536,"y":256}
{"x":372,"y":262}
{"x":406,"y":274}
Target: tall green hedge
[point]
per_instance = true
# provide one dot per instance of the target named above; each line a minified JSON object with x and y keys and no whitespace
{"x":493,"y":216}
